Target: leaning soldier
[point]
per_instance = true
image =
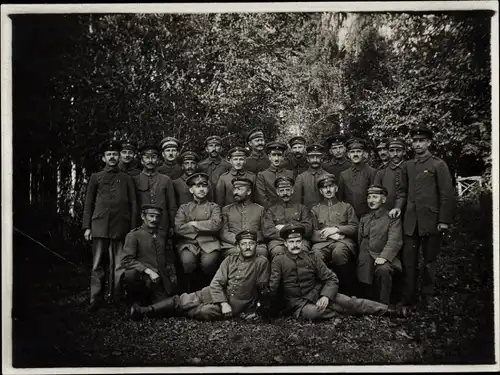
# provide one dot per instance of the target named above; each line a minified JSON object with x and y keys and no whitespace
{"x":337,"y":162}
{"x":296,"y":159}
{"x":188,"y":160}
{"x":127,"y":162}
{"x":257,"y":161}
{"x":197,"y":224}
{"x":214,"y":165}
{"x":108,"y":215}
{"x":240,"y":280}
{"x":148,"y":260}
{"x":169,"y":147}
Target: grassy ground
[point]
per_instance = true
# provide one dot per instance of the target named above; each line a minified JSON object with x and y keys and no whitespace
{"x":52,"y":328}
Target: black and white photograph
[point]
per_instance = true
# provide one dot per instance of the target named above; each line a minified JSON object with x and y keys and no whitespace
{"x":224,"y":187}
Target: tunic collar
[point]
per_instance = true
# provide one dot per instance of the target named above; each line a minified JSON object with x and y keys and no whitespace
{"x":149,"y":230}
{"x":152,"y":174}
{"x":331,"y":202}
{"x":107,"y":168}
{"x":234,"y":172}
{"x":274,"y":169}
{"x":246,"y":260}
{"x":394,"y":166}
{"x":257,"y":155}
{"x":217,"y":160}
{"x":340,"y":161}
{"x":379,"y":212}
{"x":315,"y":171}
{"x":423,"y":158}
{"x":294,"y":256}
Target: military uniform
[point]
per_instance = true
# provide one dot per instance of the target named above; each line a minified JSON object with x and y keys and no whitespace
{"x":170,"y":169}
{"x":181,"y":188}
{"x":214,"y":167}
{"x":292,"y":163}
{"x":306,"y":190}
{"x":333,"y":165}
{"x":395,"y":179}
{"x":256,"y":161}
{"x":129,"y":168}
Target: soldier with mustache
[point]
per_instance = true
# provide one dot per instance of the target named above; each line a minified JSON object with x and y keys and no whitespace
{"x":169,"y":147}
{"x":257,"y":161}
{"x":127,"y":162}
{"x":337,"y":162}
{"x":214,"y":165}
{"x":296,"y":160}
{"x":188,"y":160}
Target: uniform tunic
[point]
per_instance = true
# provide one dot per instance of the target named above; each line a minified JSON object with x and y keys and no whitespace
{"x":336,"y":166}
{"x":265,"y":192}
{"x":110,"y":209}
{"x":147,"y":248}
{"x":214,"y":168}
{"x":353,"y":186}
{"x":256,"y":162}
{"x":239,"y":216}
{"x":297,"y":166}
{"x":172,"y":170}
{"x":129,"y":169}
{"x":156,"y":188}
{"x":182,"y":193}
{"x":306,"y":188}
{"x":224,"y":189}
{"x":395,"y":179}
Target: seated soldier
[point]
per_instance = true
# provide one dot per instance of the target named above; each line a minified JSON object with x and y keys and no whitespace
{"x":335,"y":227}
{"x":196,"y":226}
{"x":240,"y":279}
{"x":276,"y":216}
{"x":243,"y":214}
{"x":380,"y":239}
{"x":148,"y":260}
{"x":311,"y":288}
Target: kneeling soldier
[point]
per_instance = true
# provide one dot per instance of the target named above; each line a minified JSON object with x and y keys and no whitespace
{"x":239,"y":280}
{"x":380,"y":238}
{"x":148,"y":260}
{"x":311,"y":288}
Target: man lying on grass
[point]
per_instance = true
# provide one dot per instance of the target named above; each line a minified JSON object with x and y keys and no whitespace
{"x":310,"y":287}
{"x":240,"y":279}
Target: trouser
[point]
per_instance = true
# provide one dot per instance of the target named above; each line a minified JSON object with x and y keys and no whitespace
{"x":209,"y":262}
{"x":381,"y":289}
{"x":343,"y":305}
{"x":261,"y":250}
{"x":141,"y":290}
{"x":106,"y":269}
{"x":340,"y":259}
{"x":410,"y":255}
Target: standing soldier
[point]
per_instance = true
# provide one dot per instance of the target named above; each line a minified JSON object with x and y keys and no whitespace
{"x":108,"y":215}
{"x":283,"y":212}
{"x":354,"y":181}
{"x":197,"y":224}
{"x":382,"y":149}
{"x":306,"y":189}
{"x":214,"y":165}
{"x":265,"y":191}
{"x":240,"y":215}
{"x":153,"y":187}
{"x":394,"y":178}
{"x":338,"y":162}
{"x":188,"y":160}
{"x":170,"y":149}
{"x":380,"y":238}
{"x":148,"y":260}
{"x":224,"y":189}
{"x":296,"y":160}
{"x":127,"y":162}
{"x":258,"y":160}
{"x":429,"y":211}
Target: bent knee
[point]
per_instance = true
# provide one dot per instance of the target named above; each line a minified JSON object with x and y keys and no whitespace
{"x":309,"y":312}
{"x":340,"y":254}
{"x":383,"y":270}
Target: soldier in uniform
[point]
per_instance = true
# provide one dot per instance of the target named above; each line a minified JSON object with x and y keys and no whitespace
{"x":382,"y":149}
{"x":242,"y":214}
{"x":265,"y":191}
{"x":380,"y":239}
{"x":234,"y":290}
{"x":429,"y":211}
{"x":127,"y":162}
{"x":148,"y":260}
{"x":283,"y":212}
{"x":108,"y":215}
{"x":197,"y":224}
{"x":214,"y":165}
{"x":335,"y":228}
{"x":153,"y":187}
{"x":224,"y":189}
{"x":296,"y":160}
{"x":354,"y":181}
{"x":257,"y":161}
{"x":188,"y":160}
{"x":306,"y":189}
{"x":311,"y":288}
{"x":394,"y":178}
{"x":337,"y":162}
{"x":169,"y":147}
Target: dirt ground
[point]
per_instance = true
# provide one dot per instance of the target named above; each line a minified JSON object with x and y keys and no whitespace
{"x":53,"y":329}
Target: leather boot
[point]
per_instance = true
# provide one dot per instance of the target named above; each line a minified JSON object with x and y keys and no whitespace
{"x":398,"y":312}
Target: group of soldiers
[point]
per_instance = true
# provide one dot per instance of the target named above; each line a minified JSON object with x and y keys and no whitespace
{"x":290,"y":229}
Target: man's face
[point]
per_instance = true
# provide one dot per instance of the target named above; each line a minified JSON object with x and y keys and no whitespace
{"x":149,"y":160}
{"x":383,"y":154}
{"x":337,"y":151}
{"x":294,"y":244}
{"x":396,"y":154}
{"x":257,"y":144}
{"x":241,"y":192}
{"x":213,"y":149}
{"x":170,"y":153}
{"x":314,"y":160}
{"x":375,"y":201}
{"x":356,"y":155}
{"x":298,"y":150}
{"x":189,"y":167}
{"x":151,"y":219}
{"x":111,"y":158}
{"x":420,"y":144}
{"x":285,"y":193}
{"x":237,"y":162}
{"x":328,"y":190}
{"x":276,"y":157}
{"x":126,"y":156}
{"x":247,"y":247}
{"x":199,"y":190}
